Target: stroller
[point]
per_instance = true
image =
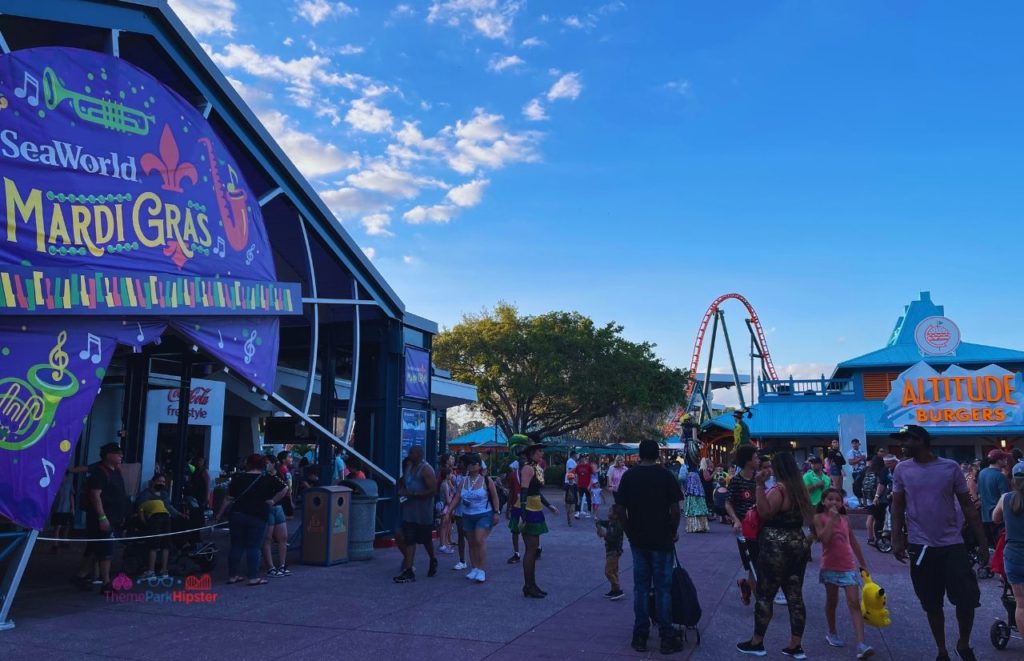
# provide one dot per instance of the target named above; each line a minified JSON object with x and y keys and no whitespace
{"x":1002,"y":631}
{"x":186,"y":558}
{"x":972,"y":544}
{"x":884,"y":540}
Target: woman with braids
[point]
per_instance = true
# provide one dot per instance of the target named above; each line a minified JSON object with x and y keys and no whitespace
{"x":532,"y":503}
{"x":783,"y":556}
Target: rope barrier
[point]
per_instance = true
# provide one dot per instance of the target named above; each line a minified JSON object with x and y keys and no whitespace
{"x":128,"y":539}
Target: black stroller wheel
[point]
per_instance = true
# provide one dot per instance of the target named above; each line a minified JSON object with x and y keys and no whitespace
{"x":984,"y":572}
{"x":884,"y":545}
{"x":999,"y":634}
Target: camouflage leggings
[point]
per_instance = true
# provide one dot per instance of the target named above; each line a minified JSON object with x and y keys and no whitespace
{"x":781,"y":564}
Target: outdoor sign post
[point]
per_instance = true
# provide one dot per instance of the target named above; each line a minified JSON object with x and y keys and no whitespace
{"x":125,"y":215}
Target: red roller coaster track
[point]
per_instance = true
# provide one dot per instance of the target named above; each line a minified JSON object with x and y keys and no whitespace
{"x":769,"y":367}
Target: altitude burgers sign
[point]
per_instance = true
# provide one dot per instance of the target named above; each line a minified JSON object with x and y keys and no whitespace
{"x":988,"y":396}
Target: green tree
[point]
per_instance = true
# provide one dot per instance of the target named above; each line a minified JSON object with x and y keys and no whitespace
{"x":552,"y":374}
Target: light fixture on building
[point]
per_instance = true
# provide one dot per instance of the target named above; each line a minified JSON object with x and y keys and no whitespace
{"x":1002,"y":443}
{"x":792,"y":444}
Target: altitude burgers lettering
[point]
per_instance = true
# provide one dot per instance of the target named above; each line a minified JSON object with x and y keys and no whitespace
{"x":958,"y":390}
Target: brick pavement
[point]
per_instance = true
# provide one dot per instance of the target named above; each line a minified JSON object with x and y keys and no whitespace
{"x":355,"y":611}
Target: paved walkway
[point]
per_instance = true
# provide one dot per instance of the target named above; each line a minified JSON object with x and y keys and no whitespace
{"x":354,"y":611}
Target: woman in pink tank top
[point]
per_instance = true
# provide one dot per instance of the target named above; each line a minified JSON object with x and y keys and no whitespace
{"x":841,"y":562}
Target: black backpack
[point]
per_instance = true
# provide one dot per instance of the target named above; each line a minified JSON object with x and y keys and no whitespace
{"x":685,"y":604}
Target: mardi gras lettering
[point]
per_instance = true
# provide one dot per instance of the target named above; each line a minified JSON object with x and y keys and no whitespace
{"x":151,"y":222}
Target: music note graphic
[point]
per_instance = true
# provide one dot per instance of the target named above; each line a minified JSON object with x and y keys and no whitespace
{"x":59,"y":358}
{"x":220,"y":247}
{"x":89,"y":353}
{"x":250,"y":348}
{"x":48,"y":470}
{"x":141,"y":337}
{"x":220,"y":340}
{"x":248,"y":254}
{"x":23,"y":93}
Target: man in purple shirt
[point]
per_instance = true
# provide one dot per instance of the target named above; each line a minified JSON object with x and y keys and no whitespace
{"x":925,"y":494}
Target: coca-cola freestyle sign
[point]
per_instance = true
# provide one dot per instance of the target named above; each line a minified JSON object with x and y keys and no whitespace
{"x":205,"y":404}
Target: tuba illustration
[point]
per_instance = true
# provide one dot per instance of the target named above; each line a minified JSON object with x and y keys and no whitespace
{"x":108,"y":114}
{"x":27,"y":407}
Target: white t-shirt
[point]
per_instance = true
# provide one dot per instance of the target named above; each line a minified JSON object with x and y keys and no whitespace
{"x":595,"y":493}
{"x":569,"y":466}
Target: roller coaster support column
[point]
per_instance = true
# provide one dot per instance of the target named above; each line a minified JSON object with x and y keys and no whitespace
{"x":706,"y":388}
{"x":732,"y":361}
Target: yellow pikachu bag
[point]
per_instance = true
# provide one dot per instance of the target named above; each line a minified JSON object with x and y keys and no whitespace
{"x":872,"y":603}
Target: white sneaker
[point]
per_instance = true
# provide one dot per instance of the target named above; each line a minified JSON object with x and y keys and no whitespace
{"x":481,"y":576}
{"x":459,"y":566}
{"x":834,"y":640}
{"x":576,"y":515}
{"x":780,"y":599}
{"x":864,"y":651}
{"x":472,"y":574}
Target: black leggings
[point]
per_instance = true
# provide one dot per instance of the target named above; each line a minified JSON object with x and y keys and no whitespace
{"x":781,"y":562}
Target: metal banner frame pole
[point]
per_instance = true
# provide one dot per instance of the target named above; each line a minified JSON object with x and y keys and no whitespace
{"x":15,"y":572}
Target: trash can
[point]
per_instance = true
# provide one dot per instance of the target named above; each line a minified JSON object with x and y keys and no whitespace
{"x":325,"y":524}
{"x":363,"y":518}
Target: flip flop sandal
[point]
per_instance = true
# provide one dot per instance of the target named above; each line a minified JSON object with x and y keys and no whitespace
{"x":235,"y":579}
{"x":258,"y":581}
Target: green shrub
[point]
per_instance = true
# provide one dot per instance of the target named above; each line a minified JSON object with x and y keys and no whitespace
{"x":554,"y":475}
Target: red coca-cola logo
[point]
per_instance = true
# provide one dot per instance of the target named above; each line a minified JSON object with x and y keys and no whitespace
{"x":199,"y":395}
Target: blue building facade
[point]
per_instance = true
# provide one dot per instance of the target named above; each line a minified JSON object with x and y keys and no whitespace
{"x":965,"y":394}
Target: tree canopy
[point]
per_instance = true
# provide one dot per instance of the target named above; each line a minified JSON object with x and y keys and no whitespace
{"x":552,"y":374}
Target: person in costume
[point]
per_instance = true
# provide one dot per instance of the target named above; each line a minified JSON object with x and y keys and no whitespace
{"x":513,"y":512}
{"x":532,"y":502}
{"x":695,"y":504}
{"x":740,"y":431}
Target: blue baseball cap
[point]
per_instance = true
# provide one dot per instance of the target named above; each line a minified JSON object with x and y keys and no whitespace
{"x":1018,"y":469}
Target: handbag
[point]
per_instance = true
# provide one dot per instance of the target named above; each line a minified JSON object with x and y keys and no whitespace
{"x":751,"y":524}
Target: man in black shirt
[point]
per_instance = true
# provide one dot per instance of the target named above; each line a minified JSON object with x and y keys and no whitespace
{"x":106,"y":504}
{"x":647,"y":504}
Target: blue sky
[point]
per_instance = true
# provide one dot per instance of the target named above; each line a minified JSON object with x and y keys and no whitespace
{"x":633,"y":160}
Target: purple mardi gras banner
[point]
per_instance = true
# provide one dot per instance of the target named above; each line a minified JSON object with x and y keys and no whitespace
{"x":417,"y":373}
{"x":248,"y":346}
{"x":121,"y":199}
{"x":50,"y":374}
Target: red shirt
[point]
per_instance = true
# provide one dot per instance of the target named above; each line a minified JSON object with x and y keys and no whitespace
{"x":583,"y":474}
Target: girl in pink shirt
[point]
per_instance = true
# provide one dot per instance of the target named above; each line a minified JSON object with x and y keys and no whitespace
{"x":840,"y":555}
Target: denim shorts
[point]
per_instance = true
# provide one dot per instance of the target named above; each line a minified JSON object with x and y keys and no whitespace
{"x":471,"y":522}
{"x":841,"y":578}
{"x":277,"y":516}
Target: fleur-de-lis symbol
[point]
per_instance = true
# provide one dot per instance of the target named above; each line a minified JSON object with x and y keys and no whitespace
{"x":167,"y":164}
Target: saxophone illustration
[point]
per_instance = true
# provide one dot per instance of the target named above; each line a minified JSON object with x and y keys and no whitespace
{"x":231,"y":201}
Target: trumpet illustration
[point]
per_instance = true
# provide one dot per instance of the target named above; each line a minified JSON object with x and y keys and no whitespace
{"x":108,"y":114}
{"x":27,"y":406}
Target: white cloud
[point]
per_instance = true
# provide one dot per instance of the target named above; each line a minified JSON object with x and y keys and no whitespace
{"x":438,"y":213}
{"x":348,"y":202}
{"x":254,"y":96}
{"x":531,"y":42}
{"x":370,"y":252}
{"x":402,"y":11}
{"x":316,"y":11}
{"x":491,"y":18}
{"x":468,"y":195}
{"x":534,"y":111}
{"x":484,"y":142}
{"x":327,"y":109}
{"x":500,"y":63}
{"x":409,"y":259}
{"x":577,"y":23}
{"x":312,"y":156}
{"x":568,"y":86}
{"x":382,"y":178}
{"x":288,"y":41}
{"x":300,"y":75}
{"x":367,"y":117}
{"x":805,"y":370}
{"x":351,"y":49}
{"x":206,"y":16}
{"x":681,"y":87}
{"x":376,"y":224}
